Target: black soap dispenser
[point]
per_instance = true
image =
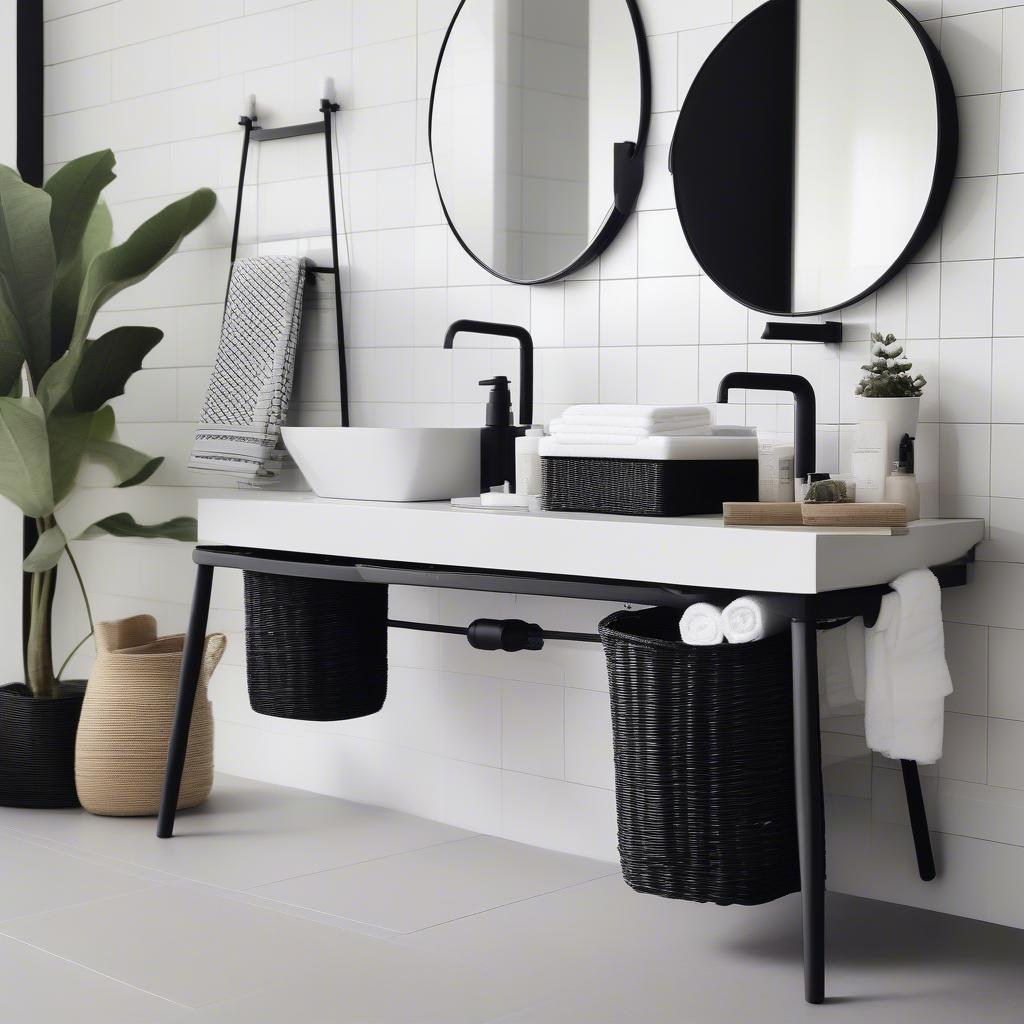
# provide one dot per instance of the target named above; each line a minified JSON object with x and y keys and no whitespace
{"x":498,"y":437}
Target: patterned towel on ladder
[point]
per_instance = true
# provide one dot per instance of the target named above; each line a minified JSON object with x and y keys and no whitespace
{"x":251,"y":384}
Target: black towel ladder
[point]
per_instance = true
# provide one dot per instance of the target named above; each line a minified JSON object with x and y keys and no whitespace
{"x":252,"y":132}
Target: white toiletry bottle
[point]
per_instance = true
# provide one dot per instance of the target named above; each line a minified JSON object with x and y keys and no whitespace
{"x":528,"y":479}
{"x":775,"y":471}
{"x":901,"y":487}
{"x":870,"y":460}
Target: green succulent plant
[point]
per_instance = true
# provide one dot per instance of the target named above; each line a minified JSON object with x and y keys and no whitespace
{"x":888,"y":373}
{"x":57,"y":269}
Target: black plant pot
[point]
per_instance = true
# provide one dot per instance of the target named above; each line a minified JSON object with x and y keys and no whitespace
{"x":37,"y":746}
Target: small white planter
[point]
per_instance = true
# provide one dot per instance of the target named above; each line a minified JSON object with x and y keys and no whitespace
{"x":899,"y":414}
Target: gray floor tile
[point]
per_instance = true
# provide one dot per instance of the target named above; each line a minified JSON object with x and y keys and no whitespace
{"x":246,"y":834}
{"x":400,"y":989}
{"x":38,"y":988}
{"x":37,"y":878}
{"x":196,"y":947}
{"x":416,"y":890}
{"x":585,"y":951}
{"x":611,"y":956}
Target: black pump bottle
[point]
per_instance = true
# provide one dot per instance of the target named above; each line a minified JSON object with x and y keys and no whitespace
{"x":498,"y":437}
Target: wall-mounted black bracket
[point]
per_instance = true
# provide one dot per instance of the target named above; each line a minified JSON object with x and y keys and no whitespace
{"x":252,"y":132}
{"x":830,"y":332}
{"x":628,"y":176}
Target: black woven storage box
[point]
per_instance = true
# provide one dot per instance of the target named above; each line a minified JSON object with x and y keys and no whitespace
{"x":646,"y":487}
{"x":316,"y":650}
{"x":703,"y":762}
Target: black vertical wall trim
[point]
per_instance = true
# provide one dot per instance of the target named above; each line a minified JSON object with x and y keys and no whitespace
{"x":30,"y":165}
{"x":30,"y":91}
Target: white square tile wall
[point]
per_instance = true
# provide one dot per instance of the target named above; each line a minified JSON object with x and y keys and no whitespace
{"x":520,"y":745}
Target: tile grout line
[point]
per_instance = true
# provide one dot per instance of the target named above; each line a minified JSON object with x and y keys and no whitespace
{"x":253,"y":890}
{"x":512,"y":903}
{"x":100,"y":974}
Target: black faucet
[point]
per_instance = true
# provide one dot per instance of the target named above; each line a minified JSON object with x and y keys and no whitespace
{"x":522,"y":335}
{"x":805,"y":425}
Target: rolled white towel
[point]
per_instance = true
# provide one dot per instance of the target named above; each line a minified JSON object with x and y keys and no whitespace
{"x":748,"y":619}
{"x":701,"y":626}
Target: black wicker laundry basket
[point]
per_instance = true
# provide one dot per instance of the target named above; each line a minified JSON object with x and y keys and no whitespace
{"x":703,"y":762}
{"x":316,"y":650}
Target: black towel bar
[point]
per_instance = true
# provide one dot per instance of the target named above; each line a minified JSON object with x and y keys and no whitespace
{"x":494,"y":634}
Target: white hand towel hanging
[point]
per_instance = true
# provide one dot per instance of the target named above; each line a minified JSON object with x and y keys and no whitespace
{"x":841,"y":664}
{"x":907,"y":675}
{"x":251,"y":384}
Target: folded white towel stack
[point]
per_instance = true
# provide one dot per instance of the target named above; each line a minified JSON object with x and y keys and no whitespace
{"x":907,"y":676}
{"x":749,"y":619}
{"x":251,"y":384}
{"x":841,"y":664}
{"x":574,"y":429}
{"x":702,"y":626}
{"x":629,"y":424}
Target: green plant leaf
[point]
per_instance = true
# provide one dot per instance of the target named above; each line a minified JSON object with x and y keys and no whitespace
{"x":108,"y":363}
{"x":55,"y":387}
{"x":27,"y":267}
{"x":184,"y":528}
{"x":75,"y":190}
{"x":144,"y":250}
{"x":46,"y":554}
{"x":103,"y":423}
{"x":12,"y":347}
{"x":68,"y":436}
{"x":25,"y":456}
{"x":68,"y":285}
{"x":129,"y":466}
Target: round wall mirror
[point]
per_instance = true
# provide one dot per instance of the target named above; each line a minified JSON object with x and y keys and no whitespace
{"x":538,"y":120}
{"x":814,"y":153}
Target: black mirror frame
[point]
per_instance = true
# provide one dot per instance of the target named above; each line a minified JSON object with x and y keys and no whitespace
{"x":947,"y":150}
{"x":629,"y":162}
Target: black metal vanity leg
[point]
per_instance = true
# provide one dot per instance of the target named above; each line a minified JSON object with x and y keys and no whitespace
{"x":810,"y":809}
{"x":191,"y":663}
{"x":918,"y":821}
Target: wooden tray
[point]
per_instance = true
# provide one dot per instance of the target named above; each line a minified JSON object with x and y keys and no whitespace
{"x":794,"y":513}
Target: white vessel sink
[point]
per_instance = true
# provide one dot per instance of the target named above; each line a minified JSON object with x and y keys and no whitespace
{"x":388,"y":463}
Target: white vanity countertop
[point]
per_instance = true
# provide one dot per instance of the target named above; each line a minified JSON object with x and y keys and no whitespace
{"x":698,"y":551}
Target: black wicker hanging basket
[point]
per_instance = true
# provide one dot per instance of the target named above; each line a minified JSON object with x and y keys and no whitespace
{"x":703,"y":762}
{"x":316,"y":650}
{"x":37,"y":746}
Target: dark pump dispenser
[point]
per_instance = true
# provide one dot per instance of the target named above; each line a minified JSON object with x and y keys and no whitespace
{"x":498,"y":437}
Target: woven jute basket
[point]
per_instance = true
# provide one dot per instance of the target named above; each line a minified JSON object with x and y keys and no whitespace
{"x":121,"y":748}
